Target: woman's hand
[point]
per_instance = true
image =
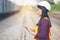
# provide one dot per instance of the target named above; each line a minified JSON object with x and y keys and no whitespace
{"x":30,"y":31}
{"x":26,"y":28}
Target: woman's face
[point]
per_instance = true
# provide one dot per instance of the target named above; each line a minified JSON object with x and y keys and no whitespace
{"x":39,"y":12}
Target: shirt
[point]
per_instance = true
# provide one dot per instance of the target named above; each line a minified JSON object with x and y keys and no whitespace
{"x":43,"y":30}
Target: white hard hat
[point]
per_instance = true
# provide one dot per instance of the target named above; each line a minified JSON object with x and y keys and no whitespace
{"x":45,"y":4}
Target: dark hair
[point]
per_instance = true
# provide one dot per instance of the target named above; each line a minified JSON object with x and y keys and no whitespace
{"x":44,"y":12}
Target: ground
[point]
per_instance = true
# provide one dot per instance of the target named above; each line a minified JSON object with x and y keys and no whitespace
{"x":12,"y":28}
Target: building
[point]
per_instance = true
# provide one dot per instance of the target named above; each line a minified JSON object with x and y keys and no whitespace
{"x":7,"y":6}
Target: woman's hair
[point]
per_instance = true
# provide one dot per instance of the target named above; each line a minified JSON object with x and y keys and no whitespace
{"x":44,"y":12}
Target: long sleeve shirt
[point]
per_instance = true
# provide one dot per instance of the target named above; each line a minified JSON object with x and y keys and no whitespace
{"x":43,"y":28}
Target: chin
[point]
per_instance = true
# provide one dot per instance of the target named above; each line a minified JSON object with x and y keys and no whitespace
{"x":39,"y":14}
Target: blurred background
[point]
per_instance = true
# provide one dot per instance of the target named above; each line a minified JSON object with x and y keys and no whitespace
{"x":16,"y":14}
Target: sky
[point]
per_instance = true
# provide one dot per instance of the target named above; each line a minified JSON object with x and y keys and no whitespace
{"x":24,"y":2}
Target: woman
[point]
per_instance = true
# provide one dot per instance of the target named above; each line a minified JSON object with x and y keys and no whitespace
{"x":42,"y":31}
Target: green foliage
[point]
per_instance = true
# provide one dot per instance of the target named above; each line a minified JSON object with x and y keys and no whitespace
{"x":55,"y":7}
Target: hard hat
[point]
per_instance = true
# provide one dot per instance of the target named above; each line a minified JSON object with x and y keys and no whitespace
{"x":45,"y":4}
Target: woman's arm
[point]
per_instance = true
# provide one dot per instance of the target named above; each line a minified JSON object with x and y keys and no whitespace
{"x":30,"y":30}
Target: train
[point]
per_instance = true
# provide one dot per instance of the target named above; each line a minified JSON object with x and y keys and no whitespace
{"x":7,"y":6}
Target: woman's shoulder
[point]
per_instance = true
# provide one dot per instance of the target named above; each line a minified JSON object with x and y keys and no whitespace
{"x":45,"y":19}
